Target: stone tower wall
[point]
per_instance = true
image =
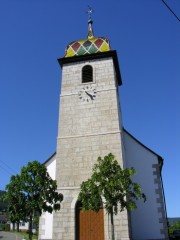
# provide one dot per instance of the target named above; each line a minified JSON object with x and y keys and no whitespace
{"x":86,"y":130}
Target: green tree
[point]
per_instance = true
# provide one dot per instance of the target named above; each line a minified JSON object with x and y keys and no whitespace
{"x":111,"y":185}
{"x":3,"y":203}
{"x":35,"y":192}
{"x":16,"y":201}
{"x":174,"y":226}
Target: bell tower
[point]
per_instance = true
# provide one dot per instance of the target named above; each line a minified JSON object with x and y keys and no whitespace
{"x":89,"y":126}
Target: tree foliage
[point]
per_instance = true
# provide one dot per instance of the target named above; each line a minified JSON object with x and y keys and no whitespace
{"x":111,"y":185}
{"x":33,"y":191}
{"x":3,"y":203}
{"x":174,"y":226}
{"x":16,"y":201}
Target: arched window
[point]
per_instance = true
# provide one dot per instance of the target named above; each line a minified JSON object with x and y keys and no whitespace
{"x":87,"y":74}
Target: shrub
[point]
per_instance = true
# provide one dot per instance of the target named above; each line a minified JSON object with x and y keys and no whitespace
{"x":6,"y":227}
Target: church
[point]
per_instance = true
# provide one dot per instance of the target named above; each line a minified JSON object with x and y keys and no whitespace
{"x":90,"y":125}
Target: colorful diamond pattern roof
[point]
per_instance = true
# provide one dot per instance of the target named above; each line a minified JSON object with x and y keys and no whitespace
{"x":87,"y":46}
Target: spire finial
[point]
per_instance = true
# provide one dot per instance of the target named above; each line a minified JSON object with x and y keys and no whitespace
{"x":90,"y":11}
{"x":90,"y":22}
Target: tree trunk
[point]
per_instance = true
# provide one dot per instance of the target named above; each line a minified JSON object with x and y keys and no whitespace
{"x":112,"y":225}
{"x":17,"y":226}
{"x":14,"y":228}
{"x":30,"y":227}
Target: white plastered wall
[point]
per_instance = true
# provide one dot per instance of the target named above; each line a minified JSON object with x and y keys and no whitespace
{"x":145,"y":219}
{"x":46,"y":219}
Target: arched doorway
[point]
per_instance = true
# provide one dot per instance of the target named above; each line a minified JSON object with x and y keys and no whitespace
{"x":89,"y":224}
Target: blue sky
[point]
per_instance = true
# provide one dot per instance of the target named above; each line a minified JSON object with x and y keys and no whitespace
{"x":147,"y":38}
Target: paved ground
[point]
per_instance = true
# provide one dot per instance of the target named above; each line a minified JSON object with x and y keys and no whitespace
{"x":9,"y":236}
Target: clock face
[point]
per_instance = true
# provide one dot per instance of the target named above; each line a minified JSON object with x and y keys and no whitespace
{"x":87,"y":94}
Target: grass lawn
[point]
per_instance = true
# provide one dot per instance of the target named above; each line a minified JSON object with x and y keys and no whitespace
{"x":25,"y":235}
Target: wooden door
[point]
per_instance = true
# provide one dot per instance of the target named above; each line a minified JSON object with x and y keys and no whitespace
{"x":90,"y":225}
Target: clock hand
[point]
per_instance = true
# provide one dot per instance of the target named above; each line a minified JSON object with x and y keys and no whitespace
{"x":89,"y":95}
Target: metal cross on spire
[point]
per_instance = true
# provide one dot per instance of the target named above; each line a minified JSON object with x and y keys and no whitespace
{"x":90,"y":12}
{"x":90,"y":22}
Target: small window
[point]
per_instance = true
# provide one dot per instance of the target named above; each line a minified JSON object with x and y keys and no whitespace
{"x":87,"y":74}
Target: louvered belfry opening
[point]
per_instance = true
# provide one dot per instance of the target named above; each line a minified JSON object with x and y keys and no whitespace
{"x":87,"y":74}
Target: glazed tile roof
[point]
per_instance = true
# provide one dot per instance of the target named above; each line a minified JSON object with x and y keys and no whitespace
{"x":88,"y":46}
